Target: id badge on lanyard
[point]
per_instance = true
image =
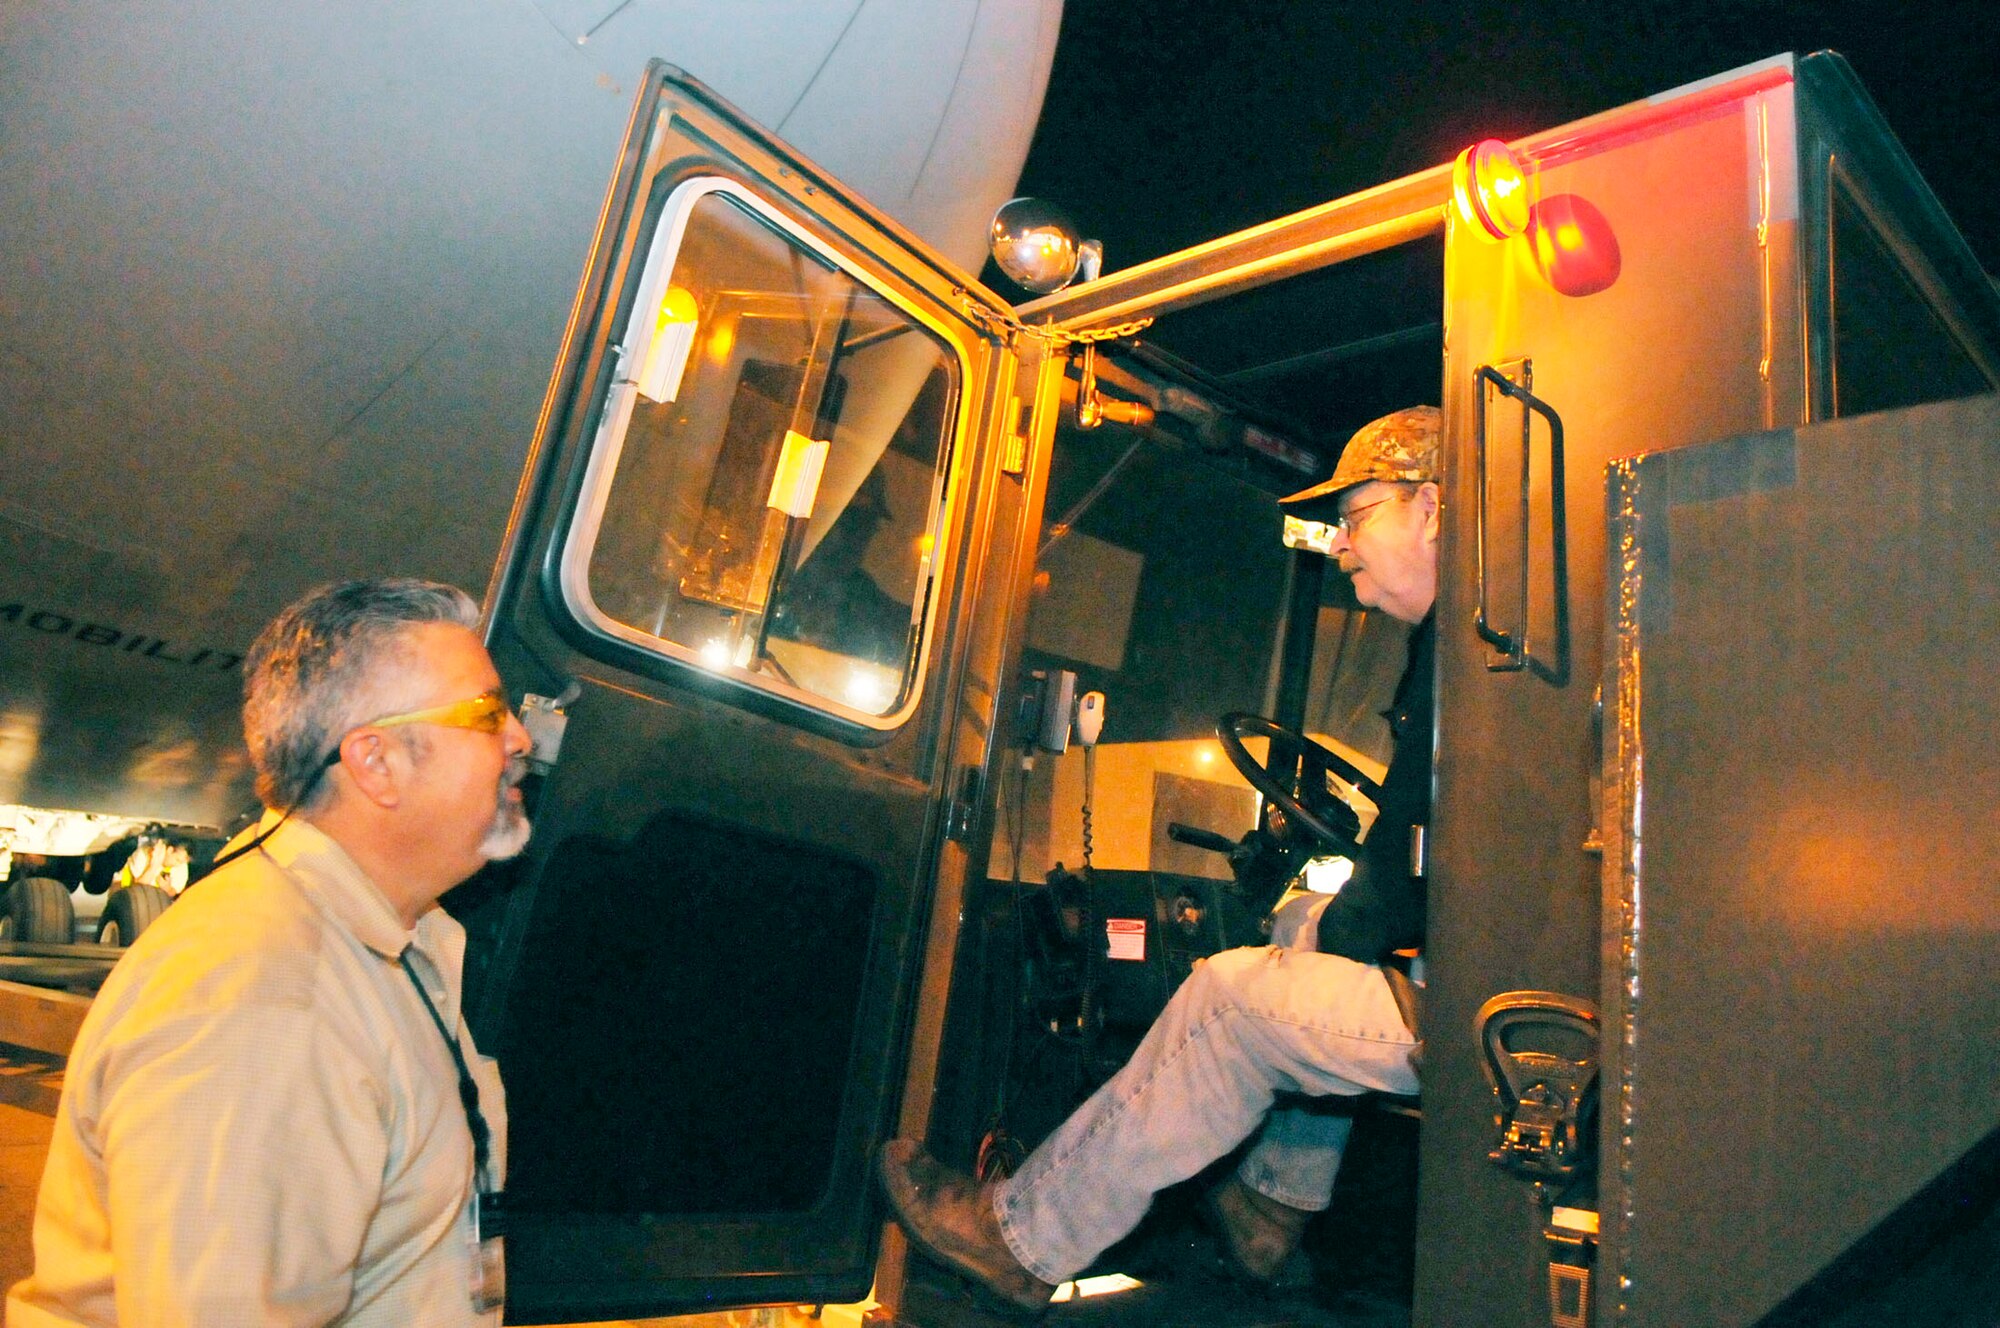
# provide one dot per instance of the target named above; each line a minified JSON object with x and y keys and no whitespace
{"x":488,"y":1281}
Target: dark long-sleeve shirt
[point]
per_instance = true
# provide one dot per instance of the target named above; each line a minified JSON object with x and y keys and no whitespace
{"x":1381,"y":908}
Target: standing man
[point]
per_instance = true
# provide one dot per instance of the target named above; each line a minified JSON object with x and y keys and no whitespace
{"x":1250,"y":1023}
{"x":274,"y":1113}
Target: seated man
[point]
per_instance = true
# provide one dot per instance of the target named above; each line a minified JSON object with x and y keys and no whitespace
{"x":1250,"y":1023}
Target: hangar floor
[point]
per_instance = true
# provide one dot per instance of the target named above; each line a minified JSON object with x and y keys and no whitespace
{"x":29,"y":1087}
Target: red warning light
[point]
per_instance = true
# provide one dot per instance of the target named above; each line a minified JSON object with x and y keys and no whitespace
{"x":1491,"y":189}
{"x":1574,"y":245}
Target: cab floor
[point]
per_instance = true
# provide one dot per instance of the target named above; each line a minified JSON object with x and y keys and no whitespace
{"x":1361,"y":1252}
{"x":1195,"y":1293}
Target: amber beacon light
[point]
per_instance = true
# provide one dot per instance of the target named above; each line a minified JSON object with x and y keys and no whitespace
{"x":1491,"y":189}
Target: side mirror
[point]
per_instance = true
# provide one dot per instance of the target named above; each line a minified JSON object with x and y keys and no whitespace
{"x":1037,"y":246}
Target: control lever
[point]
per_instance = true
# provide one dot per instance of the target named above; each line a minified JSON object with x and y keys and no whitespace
{"x":1196,"y":837}
{"x":1262,"y":867}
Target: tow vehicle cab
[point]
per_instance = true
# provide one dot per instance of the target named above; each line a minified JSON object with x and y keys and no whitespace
{"x":812,"y":544}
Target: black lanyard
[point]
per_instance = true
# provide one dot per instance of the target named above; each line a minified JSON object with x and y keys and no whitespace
{"x":468,"y":1088}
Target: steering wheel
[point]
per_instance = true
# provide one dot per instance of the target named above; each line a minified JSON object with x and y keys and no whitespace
{"x":1294,"y":780}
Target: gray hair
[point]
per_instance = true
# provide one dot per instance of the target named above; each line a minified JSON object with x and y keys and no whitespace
{"x":311,"y":674}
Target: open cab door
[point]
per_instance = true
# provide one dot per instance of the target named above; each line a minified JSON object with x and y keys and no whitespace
{"x":746,"y":592}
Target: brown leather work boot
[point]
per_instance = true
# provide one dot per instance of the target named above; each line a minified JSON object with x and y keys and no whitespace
{"x":1260,"y":1234}
{"x":950,"y":1217}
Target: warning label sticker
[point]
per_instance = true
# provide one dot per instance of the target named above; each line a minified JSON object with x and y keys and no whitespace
{"x":1125,"y":938}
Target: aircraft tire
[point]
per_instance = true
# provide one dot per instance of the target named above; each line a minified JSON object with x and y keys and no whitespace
{"x":128,"y":911}
{"x":37,"y":909}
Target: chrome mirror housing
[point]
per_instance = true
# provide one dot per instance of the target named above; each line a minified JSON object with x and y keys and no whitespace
{"x":1038,"y":247}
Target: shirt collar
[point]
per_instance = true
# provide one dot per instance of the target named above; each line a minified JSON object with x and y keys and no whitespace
{"x":307,"y":853}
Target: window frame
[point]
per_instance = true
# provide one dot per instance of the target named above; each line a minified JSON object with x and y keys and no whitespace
{"x":614,"y":414}
{"x":1900,"y":259}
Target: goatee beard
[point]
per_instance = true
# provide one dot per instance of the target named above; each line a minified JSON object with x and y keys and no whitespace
{"x":508,"y":834}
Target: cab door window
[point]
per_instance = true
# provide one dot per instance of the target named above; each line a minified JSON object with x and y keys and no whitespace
{"x":767,"y":485}
{"x":1891,"y":348}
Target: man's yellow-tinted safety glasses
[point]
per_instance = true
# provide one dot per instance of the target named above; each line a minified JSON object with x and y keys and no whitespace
{"x":487,"y":712}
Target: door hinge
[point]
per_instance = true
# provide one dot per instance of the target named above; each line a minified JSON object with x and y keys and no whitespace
{"x":1014,"y":448}
{"x":963,"y":812}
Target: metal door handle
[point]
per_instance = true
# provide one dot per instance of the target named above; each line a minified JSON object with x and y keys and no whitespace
{"x":1541,"y":1098}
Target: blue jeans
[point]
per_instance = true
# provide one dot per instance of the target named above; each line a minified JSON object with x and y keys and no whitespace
{"x":1248,"y":1025}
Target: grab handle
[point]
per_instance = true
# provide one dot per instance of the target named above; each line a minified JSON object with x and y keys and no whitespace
{"x":1518,"y":646}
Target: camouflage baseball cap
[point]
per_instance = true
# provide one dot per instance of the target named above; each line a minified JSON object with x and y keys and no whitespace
{"x":1401,"y":448}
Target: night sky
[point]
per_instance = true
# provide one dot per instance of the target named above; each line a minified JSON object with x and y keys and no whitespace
{"x":1169,"y":122}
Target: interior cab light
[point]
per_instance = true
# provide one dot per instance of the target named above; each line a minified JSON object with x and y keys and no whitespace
{"x":667,"y":349}
{"x":1491,"y":189}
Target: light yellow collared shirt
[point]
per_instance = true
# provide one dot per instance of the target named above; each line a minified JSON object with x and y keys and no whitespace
{"x":259,"y":1122}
